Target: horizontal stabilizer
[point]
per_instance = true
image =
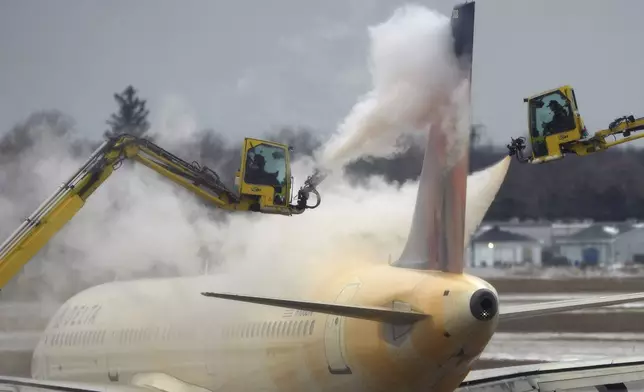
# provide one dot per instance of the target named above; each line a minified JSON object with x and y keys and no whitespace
{"x":373,"y":313}
{"x":546,"y":308}
{"x":20,"y":384}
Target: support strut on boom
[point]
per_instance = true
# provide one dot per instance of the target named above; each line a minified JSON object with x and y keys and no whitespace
{"x":262,"y":184}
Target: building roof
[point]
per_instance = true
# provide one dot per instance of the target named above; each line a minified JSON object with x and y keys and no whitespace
{"x":600,"y":232}
{"x":495,"y":234}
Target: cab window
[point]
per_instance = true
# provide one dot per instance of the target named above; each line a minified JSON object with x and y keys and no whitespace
{"x":265,"y":165}
{"x":550,"y":114}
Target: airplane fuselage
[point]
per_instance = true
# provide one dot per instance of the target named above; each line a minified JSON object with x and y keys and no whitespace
{"x":163,"y":331}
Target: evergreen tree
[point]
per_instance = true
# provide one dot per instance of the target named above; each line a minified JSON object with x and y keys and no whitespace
{"x":131,"y":117}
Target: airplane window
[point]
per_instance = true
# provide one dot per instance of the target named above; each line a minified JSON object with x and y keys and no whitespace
{"x":254,"y":330}
{"x":264,"y":329}
{"x":312,"y":326}
{"x":306,"y":327}
{"x":282,"y":330}
{"x":300,"y":328}
{"x":289,"y":329}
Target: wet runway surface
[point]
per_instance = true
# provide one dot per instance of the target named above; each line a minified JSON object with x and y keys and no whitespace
{"x":614,"y":331}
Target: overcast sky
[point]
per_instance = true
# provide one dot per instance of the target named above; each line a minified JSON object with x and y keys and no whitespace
{"x":246,"y":66}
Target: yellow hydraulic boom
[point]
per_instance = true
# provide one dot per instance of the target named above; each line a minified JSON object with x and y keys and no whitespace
{"x":556,"y":129}
{"x":263,"y":184}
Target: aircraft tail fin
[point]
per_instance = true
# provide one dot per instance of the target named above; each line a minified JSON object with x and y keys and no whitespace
{"x":437,"y":232}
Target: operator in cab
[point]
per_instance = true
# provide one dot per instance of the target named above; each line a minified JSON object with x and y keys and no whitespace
{"x":256,"y":172}
{"x":562,"y":119}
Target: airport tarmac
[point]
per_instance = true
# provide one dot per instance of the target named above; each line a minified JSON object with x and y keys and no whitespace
{"x":589,"y":334}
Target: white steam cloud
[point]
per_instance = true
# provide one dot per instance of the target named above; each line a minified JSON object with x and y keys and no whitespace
{"x":413,"y":73}
{"x":138,"y":222}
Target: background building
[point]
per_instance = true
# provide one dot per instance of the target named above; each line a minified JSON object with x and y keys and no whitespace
{"x":544,"y":243}
{"x":501,"y":248}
